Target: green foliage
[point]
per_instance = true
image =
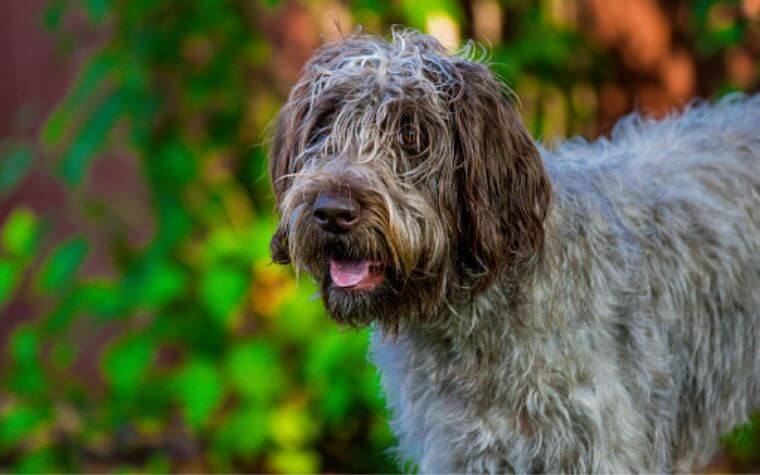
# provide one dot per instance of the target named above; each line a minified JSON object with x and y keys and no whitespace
{"x":18,"y":242}
{"x":418,"y":12}
{"x":61,"y":265}
{"x":90,"y":138}
{"x":14,"y":164}
{"x":199,"y":391}
{"x":125,"y":365}
{"x":188,"y":351}
{"x":19,"y":234}
{"x":744,"y":440}
{"x":19,"y":421}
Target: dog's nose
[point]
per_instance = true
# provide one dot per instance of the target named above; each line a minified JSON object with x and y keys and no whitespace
{"x":336,"y":213}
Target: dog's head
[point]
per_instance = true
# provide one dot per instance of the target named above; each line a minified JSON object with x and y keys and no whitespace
{"x":404,"y":178}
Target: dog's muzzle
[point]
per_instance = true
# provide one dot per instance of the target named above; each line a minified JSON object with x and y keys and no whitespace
{"x":338,"y":214}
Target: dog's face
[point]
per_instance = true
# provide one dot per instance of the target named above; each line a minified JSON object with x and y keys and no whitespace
{"x":404,"y":178}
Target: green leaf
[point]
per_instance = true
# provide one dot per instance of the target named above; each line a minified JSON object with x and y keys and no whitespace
{"x":151,"y":283}
{"x":92,"y":75}
{"x":24,"y":345}
{"x":244,"y":432}
{"x":162,"y":283}
{"x":29,"y":381}
{"x":17,"y":422}
{"x":62,"y":264}
{"x":38,"y":460}
{"x":258,"y":241}
{"x":417,"y":12}
{"x":199,"y":391}
{"x":97,"y":9}
{"x":743,"y":441}
{"x":254,"y":370}
{"x":222,"y":289}
{"x":302,"y":315}
{"x":27,"y":376}
{"x":126,"y":363}
{"x":292,"y":426}
{"x":53,"y":14}
{"x":332,"y":373}
{"x":90,"y":139}
{"x":100,"y":298}
{"x":13,"y":167}
{"x":60,"y":316}
{"x":20,"y":233}
{"x":8,"y":280}
{"x":295,"y":461}
{"x":174,"y":164}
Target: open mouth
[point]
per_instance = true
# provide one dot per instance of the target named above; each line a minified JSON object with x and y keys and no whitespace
{"x":356,"y":275}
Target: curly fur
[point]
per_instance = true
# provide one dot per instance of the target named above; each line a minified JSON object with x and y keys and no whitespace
{"x":594,"y":308}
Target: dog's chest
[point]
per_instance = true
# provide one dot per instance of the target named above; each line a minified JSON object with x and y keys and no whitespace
{"x":409,"y":363}
{"x":438,"y":396}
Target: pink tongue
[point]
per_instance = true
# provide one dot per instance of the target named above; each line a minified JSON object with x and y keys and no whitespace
{"x":349,"y":273}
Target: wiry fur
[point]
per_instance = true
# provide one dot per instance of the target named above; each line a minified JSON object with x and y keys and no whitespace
{"x":589,"y":309}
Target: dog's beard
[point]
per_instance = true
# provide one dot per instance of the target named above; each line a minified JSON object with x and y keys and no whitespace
{"x":359,"y":283}
{"x":390,"y":303}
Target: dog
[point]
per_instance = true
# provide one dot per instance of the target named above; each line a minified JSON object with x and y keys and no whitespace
{"x":592,"y":308}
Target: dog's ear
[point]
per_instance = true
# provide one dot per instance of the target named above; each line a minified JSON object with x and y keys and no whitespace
{"x":289,"y":136}
{"x":301,"y":114}
{"x":282,"y":148}
{"x":287,"y":141}
{"x":278,"y":246}
{"x":285,"y":145}
{"x":505,"y":192}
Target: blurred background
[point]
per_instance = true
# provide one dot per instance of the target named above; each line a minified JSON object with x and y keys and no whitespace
{"x":142,"y":325}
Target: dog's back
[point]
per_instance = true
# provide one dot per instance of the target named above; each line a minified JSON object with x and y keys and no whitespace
{"x":681,"y":196}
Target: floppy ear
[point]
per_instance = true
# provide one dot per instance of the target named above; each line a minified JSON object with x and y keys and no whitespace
{"x":300,"y":114}
{"x":504,"y":189}
{"x":278,"y":246}
{"x":290,"y":135}
{"x":289,"y":138}
{"x":285,"y":145}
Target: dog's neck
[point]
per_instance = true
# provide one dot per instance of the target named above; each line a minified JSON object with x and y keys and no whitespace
{"x":506,"y":307}
{"x":478,"y":321}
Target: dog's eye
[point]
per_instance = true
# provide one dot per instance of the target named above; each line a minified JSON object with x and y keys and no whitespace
{"x":320,"y":127}
{"x":409,"y":139}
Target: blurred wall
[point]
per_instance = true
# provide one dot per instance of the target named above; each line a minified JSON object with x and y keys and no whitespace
{"x":35,"y":73}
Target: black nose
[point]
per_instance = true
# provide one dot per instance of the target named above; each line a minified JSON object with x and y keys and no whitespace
{"x":336,"y":213}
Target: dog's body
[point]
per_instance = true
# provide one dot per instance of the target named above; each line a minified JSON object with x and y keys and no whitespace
{"x":635,"y":345}
{"x":594,"y":308}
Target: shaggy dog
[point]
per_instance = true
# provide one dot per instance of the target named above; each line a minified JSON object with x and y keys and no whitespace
{"x":594,"y":308}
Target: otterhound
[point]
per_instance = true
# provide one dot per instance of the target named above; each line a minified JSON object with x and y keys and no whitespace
{"x":594,"y":308}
